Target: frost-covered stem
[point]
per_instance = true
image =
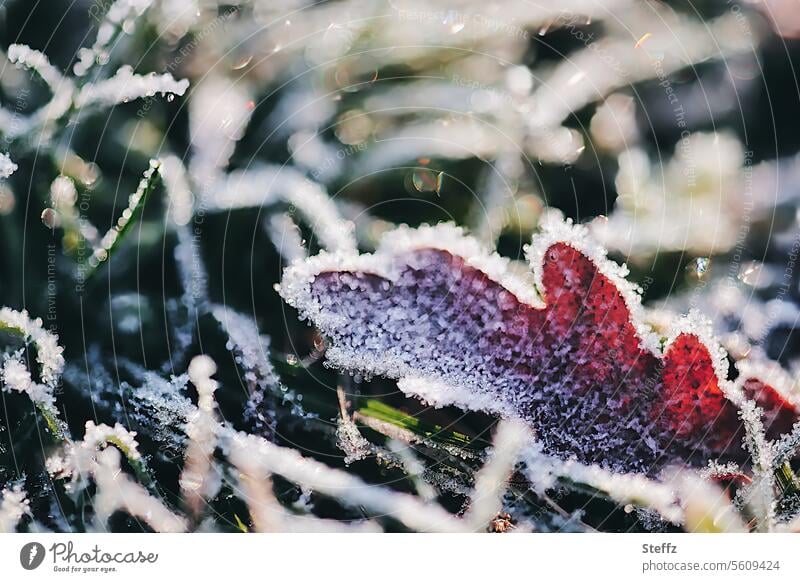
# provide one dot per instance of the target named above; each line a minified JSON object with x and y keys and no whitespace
{"x":786,"y":447}
{"x":413,"y":467}
{"x":14,"y":504}
{"x":760,"y":494}
{"x":491,"y":481}
{"x":117,"y":491}
{"x":120,"y":15}
{"x":265,"y":185}
{"x":545,"y":471}
{"x":285,"y":235}
{"x":198,"y":481}
{"x":126,"y":86}
{"x":16,"y":376}
{"x":705,"y":506}
{"x":136,"y":201}
{"x":348,"y":438}
{"x":340,"y":485}
{"x":36,"y":61}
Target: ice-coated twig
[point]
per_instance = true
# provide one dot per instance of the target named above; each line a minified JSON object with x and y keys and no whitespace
{"x":14,"y":505}
{"x":348,"y":438}
{"x":7,"y":166}
{"x":511,"y":438}
{"x":126,"y":86}
{"x":77,"y":460}
{"x":250,"y":351}
{"x":219,"y":112}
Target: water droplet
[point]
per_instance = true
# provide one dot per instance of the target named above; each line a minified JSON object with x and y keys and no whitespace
{"x":170,"y":97}
{"x":291,"y":359}
{"x":242,"y":62}
{"x":426,"y":180}
{"x":50,"y":218}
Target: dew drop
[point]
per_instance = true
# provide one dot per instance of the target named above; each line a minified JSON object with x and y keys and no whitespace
{"x":242,"y":62}
{"x":50,"y":218}
{"x":426,"y":180}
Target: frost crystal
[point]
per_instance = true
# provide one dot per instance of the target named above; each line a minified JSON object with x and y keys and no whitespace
{"x":16,"y":375}
{"x":14,"y":504}
{"x":7,"y":166}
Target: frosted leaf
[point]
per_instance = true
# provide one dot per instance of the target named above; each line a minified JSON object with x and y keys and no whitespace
{"x":126,"y":86}
{"x":7,"y":166}
{"x":568,"y":353}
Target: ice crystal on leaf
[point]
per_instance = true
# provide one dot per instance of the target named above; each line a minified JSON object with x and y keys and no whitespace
{"x":567,"y":352}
